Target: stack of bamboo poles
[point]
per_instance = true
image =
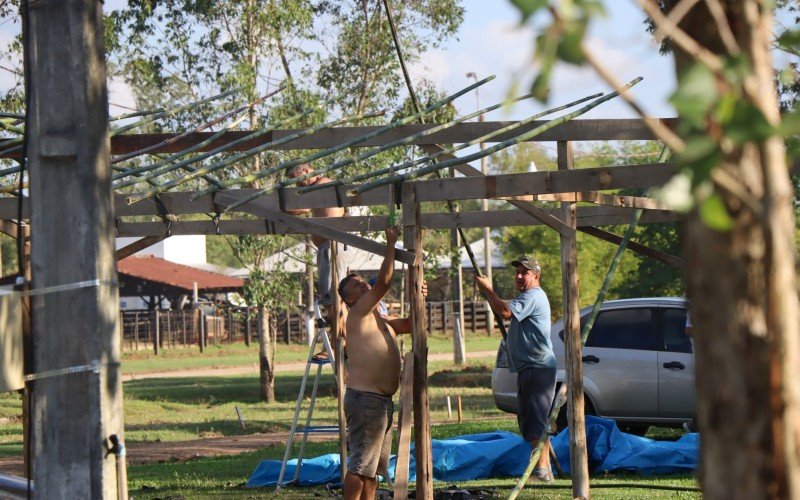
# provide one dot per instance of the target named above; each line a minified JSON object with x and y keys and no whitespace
{"x":150,"y":174}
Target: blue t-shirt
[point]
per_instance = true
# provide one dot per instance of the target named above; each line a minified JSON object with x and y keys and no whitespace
{"x":529,"y":344}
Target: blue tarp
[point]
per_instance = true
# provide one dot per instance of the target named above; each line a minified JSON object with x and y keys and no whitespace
{"x":613,"y":450}
{"x":505,"y":454}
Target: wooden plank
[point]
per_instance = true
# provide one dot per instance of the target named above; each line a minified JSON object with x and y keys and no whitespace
{"x":636,"y":247}
{"x":460,"y":188}
{"x":73,"y":416}
{"x":576,"y":130}
{"x":595,"y":197}
{"x":138,"y":245}
{"x":260,"y":209}
{"x":587,"y":216}
{"x":579,"y":458}
{"x":545,"y":182}
{"x":422,"y":430}
{"x":401,"y":468}
{"x":338,"y":334}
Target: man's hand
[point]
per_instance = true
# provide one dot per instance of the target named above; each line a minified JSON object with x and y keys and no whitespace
{"x":391,"y":235}
{"x":483,"y":282}
{"x":424,"y":290}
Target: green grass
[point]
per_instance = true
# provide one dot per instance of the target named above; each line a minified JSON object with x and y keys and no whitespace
{"x":177,"y":359}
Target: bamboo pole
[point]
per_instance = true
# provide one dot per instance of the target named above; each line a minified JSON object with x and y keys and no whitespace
{"x":291,"y":163}
{"x":488,"y":151}
{"x":169,"y":112}
{"x":238,"y":157}
{"x":203,"y":126}
{"x":163,"y":167}
{"x":400,"y":142}
{"x":561,"y":396}
{"x":351,"y":142}
{"x":483,"y":138}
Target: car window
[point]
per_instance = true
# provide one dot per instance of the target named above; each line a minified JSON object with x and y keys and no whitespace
{"x":624,"y":329}
{"x":673,"y":327}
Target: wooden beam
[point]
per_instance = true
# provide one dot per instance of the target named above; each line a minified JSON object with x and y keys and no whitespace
{"x":636,"y":247}
{"x":9,"y":228}
{"x":138,"y":245}
{"x":577,"y":130}
{"x":587,"y":217}
{"x":337,"y":324}
{"x":262,"y":209}
{"x":460,"y":188}
{"x":412,"y":237}
{"x":611,"y":200}
{"x":74,"y":416}
{"x":401,"y":467}
{"x":579,"y":458}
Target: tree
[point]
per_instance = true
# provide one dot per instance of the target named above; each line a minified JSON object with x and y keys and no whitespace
{"x":269,"y":291}
{"x":738,"y":248}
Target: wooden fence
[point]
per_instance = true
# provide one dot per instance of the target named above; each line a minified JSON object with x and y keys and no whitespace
{"x":155,"y":330}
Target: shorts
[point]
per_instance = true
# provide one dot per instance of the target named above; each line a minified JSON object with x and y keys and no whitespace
{"x":369,"y":432}
{"x":536,"y":388}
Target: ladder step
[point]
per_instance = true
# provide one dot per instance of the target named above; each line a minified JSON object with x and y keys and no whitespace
{"x":318,"y":428}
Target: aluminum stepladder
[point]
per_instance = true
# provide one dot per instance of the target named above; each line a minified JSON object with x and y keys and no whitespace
{"x":320,"y":337}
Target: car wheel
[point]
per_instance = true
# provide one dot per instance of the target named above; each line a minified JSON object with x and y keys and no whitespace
{"x":635,"y":429}
{"x":561,"y":420}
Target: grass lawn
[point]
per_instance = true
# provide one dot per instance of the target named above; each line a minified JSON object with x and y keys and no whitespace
{"x":183,"y":408}
{"x":177,"y":359}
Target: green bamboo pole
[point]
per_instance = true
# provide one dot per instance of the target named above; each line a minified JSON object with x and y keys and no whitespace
{"x":488,"y":151}
{"x":347,"y":144}
{"x":164,"y":166}
{"x":483,"y":138}
{"x":400,"y":142}
{"x":170,"y":112}
{"x":159,"y":169}
{"x":561,"y":397}
{"x":11,"y":170}
{"x":6,"y":125}
{"x":199,"y":128}
{"x":5,"y":114}
{"x":233,"y":159}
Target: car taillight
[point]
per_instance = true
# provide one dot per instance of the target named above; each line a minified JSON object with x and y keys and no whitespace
{"x":502,"y":358}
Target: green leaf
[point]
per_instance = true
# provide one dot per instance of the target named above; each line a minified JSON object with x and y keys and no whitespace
{"x":748,"y":124}
{"x":700,"y":155}
{"x":569,"y":46}
{"x":790,"y":124}
{"x":540,"y":88}
{"x":789,"y":41}
{"x":714,"y":213}
{"x":529,"y":7}
{"x":696,"y":94}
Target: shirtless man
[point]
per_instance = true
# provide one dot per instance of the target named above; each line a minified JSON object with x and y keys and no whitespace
{"x":373,"y":370}
{"x":324,"y":277}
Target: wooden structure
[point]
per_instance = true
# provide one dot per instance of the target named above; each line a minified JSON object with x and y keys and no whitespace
{"x":75,"y":439}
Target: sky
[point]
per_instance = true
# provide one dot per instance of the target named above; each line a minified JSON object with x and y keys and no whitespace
{"x":491,"y":42}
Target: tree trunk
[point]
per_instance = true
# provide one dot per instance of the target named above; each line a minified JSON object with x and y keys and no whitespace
{"x":266,"y":355}
{"x":743,"y":288}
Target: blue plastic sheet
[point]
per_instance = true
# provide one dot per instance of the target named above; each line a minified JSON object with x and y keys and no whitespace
{"x":613,"y":450}
{"x":505,"y":454}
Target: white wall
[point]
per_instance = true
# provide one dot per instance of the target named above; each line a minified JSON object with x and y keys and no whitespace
{"x":181,"y":249}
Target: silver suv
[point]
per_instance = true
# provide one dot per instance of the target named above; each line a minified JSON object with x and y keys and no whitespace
{"x":638,"y":365}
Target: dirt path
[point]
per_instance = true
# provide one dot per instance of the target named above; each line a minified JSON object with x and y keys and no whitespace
{"x":280,"y":367}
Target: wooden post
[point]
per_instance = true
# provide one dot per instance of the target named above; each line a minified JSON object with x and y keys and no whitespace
{"x":247,"y":326}
{"x":337,"y":332}
{"x":404,"y":428}
{"x":157,"y":338}
{"x":412,"y":238}
{"x":74,"y":416}
{"x":311,"y":328}
{"x":579,"y":462}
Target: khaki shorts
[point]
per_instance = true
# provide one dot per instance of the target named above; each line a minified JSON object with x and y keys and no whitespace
{"x":369,"y":432}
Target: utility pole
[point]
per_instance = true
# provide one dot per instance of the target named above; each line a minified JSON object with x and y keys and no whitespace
{"x":77,"y":417}
{"x":487,"y":242}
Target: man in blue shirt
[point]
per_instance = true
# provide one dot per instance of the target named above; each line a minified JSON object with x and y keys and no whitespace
{"x":530,"y":353}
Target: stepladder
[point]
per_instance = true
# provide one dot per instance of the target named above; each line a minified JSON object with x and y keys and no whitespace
{"x":318,"y":359}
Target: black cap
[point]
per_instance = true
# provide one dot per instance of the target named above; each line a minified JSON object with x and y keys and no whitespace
{"x":527,"y":263}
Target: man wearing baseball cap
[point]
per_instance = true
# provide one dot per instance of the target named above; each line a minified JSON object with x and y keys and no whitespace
{"x":530,"y":353}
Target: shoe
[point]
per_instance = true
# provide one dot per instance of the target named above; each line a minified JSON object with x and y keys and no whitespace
{"x":541,"y":475}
